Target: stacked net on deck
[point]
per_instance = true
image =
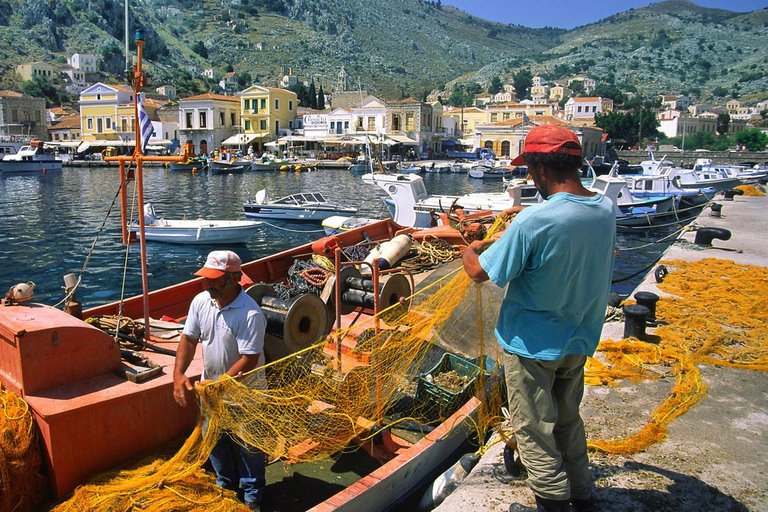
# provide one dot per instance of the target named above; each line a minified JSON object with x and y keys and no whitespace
{"x":22,"y":487}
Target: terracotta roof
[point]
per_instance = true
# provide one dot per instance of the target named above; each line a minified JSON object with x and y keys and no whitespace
{"x":409,"y":99}
{"x":12,"y":94}
{"x":587,"y":99}
{"x":66,"y":122}
{"x":277,"y":89}
{"x":209,"y":96}
{"x":121,"y":87}
{"x":58,"y":110}
{"x":537,"y":120}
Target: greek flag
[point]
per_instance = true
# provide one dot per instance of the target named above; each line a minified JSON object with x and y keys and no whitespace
{"x":145,"y":126}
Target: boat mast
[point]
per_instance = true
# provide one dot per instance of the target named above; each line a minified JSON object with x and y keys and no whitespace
{"x":138,"y":156}
{"x":127,"y":55}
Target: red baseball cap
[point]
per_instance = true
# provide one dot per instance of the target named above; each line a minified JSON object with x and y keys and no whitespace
{"x":219,"y":263}
{"x":548,"y":138}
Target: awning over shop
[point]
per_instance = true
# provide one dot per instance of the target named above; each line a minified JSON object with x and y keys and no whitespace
{"x":241,"y":139}
{"x":64,"y":143}
{"x":402,"y":139}
{"x":100,"y":143}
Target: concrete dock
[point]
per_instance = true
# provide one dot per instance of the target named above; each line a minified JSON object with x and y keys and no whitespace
{"x":715,"y":456}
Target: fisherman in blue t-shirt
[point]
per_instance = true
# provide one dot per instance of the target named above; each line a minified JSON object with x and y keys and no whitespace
{"x":556,"y":260}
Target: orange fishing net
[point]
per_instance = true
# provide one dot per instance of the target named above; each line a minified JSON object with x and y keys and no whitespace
{"x":750,"y":190}
{"x":22,"y":487}
{"x":718,"y":314}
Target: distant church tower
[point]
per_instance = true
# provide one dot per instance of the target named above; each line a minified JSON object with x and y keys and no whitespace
{"x":341,"y":83}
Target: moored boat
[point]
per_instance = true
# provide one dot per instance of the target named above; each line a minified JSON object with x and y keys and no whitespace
{"x":191,"y":165}
{"x":198,"y":232}
{"x":482,"y":172}
{"x":34,"y":158}
{"x":229,"y":167}
{"x":302,"y":207}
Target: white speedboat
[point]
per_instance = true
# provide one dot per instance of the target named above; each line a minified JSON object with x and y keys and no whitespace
{"x":303,"y":207}
{"x":34,"y":158}
{"x":200,"y":231}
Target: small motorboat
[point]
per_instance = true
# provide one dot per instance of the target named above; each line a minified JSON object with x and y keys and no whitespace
{"x":482,"y":172}
{"x":34,"y":158}
{"x":200,"y":231}
{"x":303,"y":207}
{"x":230,"y":167}
{"x":191,"y":165}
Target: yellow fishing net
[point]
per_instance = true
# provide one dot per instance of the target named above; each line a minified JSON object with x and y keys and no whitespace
{"x":22,"y":487}
{"x":750,"y":190}
{"x":317,"y":405}
{"x":718,"y":314}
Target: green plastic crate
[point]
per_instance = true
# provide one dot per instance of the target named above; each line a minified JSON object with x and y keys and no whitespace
{"x":429,"y":394}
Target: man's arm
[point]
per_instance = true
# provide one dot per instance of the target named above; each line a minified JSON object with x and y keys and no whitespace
{"x":246,"y":363}
{"x":471,"y":260}
{"x":185,"y":352}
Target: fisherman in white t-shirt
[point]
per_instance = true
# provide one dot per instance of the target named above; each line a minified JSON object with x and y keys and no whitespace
{"x":231,"y":327}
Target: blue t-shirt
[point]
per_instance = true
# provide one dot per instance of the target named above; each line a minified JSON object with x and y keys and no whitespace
{"x":557,"y":258}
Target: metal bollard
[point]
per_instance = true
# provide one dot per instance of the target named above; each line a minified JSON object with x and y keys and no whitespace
{"x":634,"y":325}
{"x":717,"y":210}
{"x":649,"y":300}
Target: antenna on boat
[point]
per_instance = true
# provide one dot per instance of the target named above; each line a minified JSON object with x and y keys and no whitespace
{"x":127,"y":55}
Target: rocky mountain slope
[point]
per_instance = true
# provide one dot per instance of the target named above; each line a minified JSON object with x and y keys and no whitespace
{"x":393,"y":48}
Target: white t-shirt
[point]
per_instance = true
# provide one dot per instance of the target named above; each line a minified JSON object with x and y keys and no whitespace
{"x":227,"y":333}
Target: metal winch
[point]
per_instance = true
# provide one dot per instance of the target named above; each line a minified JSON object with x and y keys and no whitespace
{"x":292,"y":325}
{"x":358,"y":291}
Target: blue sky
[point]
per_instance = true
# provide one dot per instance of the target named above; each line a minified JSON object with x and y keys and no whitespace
{"x":571,"y":13}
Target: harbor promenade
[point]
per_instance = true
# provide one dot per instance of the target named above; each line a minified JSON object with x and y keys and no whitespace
{"x":714,"y":457}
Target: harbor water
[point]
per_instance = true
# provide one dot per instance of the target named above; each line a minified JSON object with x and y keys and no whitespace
{"x":58,"y":223}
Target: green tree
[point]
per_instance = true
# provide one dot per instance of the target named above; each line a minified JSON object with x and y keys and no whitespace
{"x":723,"y":121}
{"x":628,"y":126}
{"x":244,"y":79}
{"x":200,"y":49}
{"x":753,"y":139}
{"x":41,"y":87}
{"x":610,"y":91}
{"x":312,"y":96}
{"x":522,"y":82}
{"x":320,"y":98}
{"x":577,"y":87}
{"x":496,"y":85}
{"x":463,"y":95}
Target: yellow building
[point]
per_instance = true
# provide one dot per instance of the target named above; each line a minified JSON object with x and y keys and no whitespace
{"x":466,"y":119}
{"x":507,"y":138}
{"x":32,"y":70}
{"x":107,"y":112}
{"x":267,"y":113}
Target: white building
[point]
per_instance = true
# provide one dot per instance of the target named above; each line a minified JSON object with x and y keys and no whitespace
{"x":169,"y":91}
{"x":585,"y":108}
{"x":206,"y":120}
{"x":83,"y":61}
{"x":340,"y":122}
{"x":315,"y":125}
{"x":371,"y":116}
{"x":675,"y":123}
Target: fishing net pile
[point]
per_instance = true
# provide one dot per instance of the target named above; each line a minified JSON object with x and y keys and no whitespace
{"x":751,"y":190}
{"x":318,"y":405}
{"x":717,"y":315}
{"x":22,"y":486}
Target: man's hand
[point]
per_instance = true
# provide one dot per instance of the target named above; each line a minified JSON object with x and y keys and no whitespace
{"x":511,"y":212}
{"x":181,"y":386}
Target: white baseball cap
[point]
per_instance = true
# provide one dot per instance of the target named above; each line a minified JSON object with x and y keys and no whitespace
{"x":219,"y":263}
